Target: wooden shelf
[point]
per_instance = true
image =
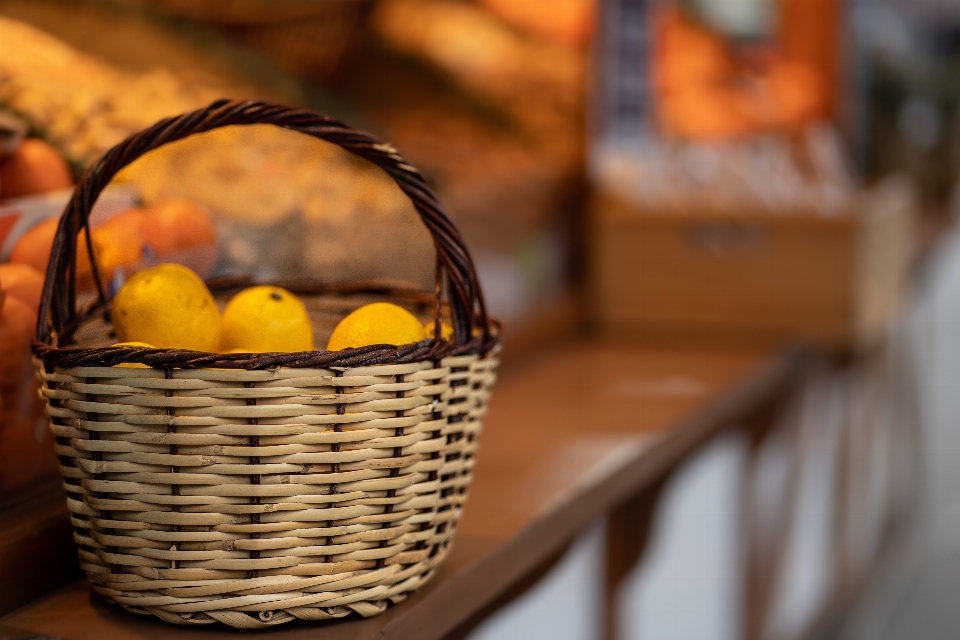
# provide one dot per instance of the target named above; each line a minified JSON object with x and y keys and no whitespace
{"x":36,"y":546}
{"x":571,"y":434}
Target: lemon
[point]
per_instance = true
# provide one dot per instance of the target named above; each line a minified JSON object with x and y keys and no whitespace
{"x":446,"y":330}
{"x":377,"y":323}
{"x":266,"y":318}
{"x":167,"y":306}
{"x":133,"y":365}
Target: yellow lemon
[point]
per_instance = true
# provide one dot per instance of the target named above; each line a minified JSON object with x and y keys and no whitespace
{"x":377,"y":323}
{"x":133,"y":365}
{"x":266,"y":318}
{"x":446,"y":330}
{"x":167,"y":306}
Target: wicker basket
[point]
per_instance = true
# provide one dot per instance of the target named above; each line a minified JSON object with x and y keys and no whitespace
{"x":255,"y":489}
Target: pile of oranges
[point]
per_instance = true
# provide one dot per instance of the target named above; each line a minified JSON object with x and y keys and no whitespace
{"x":33,"y":168}
{"x":23,"y":453}
{"x":123,"y":242}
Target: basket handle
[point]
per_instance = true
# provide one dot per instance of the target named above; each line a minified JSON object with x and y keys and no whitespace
{"x":58,"y":303}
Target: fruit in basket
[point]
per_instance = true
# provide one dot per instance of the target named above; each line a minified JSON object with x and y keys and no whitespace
{"x":133,"y":365}
{"x":34,"y":167}
{"x":377,"y":323}
{"x":22,"y":282}
{"x":168,"y":306}
{"x":265,"y":318}
{"x":446,"y":330}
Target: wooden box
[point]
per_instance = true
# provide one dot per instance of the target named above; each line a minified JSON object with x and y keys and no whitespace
{"x":742,"y":278}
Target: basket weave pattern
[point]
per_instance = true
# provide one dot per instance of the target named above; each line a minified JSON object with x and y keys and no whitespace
{"x":256,"y":489}
{"x":298,"y":493}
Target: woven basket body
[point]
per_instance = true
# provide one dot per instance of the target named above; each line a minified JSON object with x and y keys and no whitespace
{"x":257,"y":489}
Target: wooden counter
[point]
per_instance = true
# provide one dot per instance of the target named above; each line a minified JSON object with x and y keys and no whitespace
{"x":572,"y":434}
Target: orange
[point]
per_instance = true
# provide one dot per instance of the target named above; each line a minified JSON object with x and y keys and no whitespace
{"x":172,"y":225}
{"x":23,"y":282}
{"x":119,"y":241}
{"x":17,"y":324}
{"x":22,"y":454}
{"x":33,"y":248}
{"x":34,"y":167}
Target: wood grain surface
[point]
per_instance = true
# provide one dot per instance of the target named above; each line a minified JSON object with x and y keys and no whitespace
{"x":746,"y":277}
{"x":571,"y":434}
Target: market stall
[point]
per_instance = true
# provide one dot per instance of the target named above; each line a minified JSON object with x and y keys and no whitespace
{"x":247,"y":347}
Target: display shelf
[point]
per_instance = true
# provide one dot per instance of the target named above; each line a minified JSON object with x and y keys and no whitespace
{"x":581,"y":430}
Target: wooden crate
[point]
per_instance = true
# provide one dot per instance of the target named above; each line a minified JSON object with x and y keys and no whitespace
{"x":725,"y":278}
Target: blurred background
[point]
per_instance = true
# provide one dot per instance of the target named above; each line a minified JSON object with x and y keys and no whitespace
{"x":707,"y":173}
